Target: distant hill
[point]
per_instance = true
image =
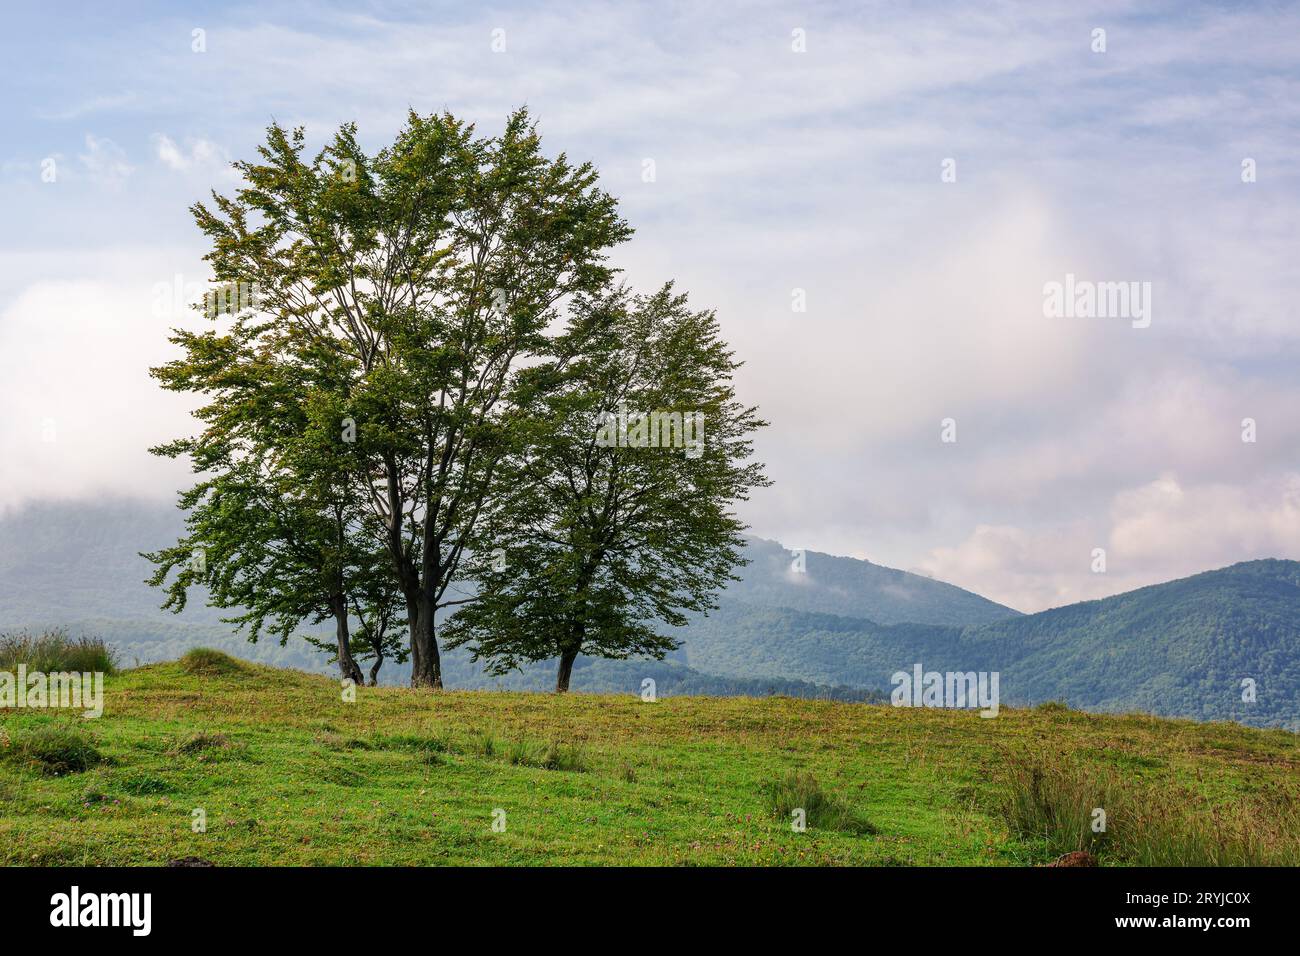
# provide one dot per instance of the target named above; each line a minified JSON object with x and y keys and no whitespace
{"x":76,"y":565}
{"x":855,"y":588}
{"x":1179,"y":649}
{"x":838,"y":629}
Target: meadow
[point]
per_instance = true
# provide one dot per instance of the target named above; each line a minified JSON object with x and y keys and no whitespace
{"x":280,"y":769}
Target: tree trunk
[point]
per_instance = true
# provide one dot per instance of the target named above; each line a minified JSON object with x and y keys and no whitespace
{"x":426,"y":669}
{"x":347,"y":665}
{"x":374,"y":669}
{"x":567,"y":658}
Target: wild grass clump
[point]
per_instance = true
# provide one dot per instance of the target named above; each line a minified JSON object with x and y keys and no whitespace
{"x":484,"y":744}
{"x":52,"y":750}
{"x":560,"y":756}
{"x":198,"y":743}
{"x":822,"y":810}
{"x":1052,"y":801}
{"x":522,"y":753}
{"x":552,"y":756}
{"x":205,"y":662}
{"x":335,"y":741}
{"x":55,"y":652}
{"x":414,"y":742}
{"x":137,"y":783}
{"x":1052,"y":707}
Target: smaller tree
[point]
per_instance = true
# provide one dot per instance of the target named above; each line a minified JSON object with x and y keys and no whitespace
{"x":613,"y":515}
{"x":376,"y":605}
{"x":271,"y":529}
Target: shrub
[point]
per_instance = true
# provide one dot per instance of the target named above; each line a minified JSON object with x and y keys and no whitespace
{"x":54,"y":651}
{"x":822,"y":810}
{"x":52,"y":750}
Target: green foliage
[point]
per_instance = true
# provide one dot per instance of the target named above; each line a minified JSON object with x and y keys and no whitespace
{"x":358,"y":410}
{"x":54,"y":652}
{"x":603,"y":529}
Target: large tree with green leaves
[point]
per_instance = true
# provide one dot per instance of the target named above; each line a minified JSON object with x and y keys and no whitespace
{"x":272,"y":528}
{"x":423,"y":277}
{"x":615,"y":512}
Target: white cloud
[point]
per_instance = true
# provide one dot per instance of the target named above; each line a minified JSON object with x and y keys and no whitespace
{"x":104,"y":161}
{"x":1154,"y":532}
{"x":197,"y":153}
{"x":819,"y":171}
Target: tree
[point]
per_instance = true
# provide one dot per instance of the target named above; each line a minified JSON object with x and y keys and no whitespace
{"x":615,"y":511}
{"x":271,"y":526}
{"x":426,"y":275}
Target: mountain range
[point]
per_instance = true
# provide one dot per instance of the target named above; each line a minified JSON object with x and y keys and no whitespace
{"x":1221,"y":645}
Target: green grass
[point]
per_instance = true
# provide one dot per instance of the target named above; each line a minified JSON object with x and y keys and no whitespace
{"x":288,"y":773}
{"x":54,"y":652}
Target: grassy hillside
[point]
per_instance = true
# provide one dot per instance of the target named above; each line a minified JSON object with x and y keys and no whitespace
{"x":288,"y":773}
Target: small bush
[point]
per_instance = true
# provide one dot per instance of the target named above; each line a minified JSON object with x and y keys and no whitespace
{"x":54,"y":652}
{"x":822,"y":810}
{"x":53,"y":750}
{"x":205,"y":662}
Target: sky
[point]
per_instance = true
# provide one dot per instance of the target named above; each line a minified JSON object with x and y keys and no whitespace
{"x":874,"y":197}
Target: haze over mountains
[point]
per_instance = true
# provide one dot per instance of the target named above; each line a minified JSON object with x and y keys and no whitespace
{"x":839,"y":627}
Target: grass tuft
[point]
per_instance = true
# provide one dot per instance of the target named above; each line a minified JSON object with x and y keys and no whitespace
{"x":822,"y":810}
{"x":54,"y":651}
{"x":52,"y":750}
{"x":205,"y":662}
{"x":1051,"y":801}
{"x":197,"y":743}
